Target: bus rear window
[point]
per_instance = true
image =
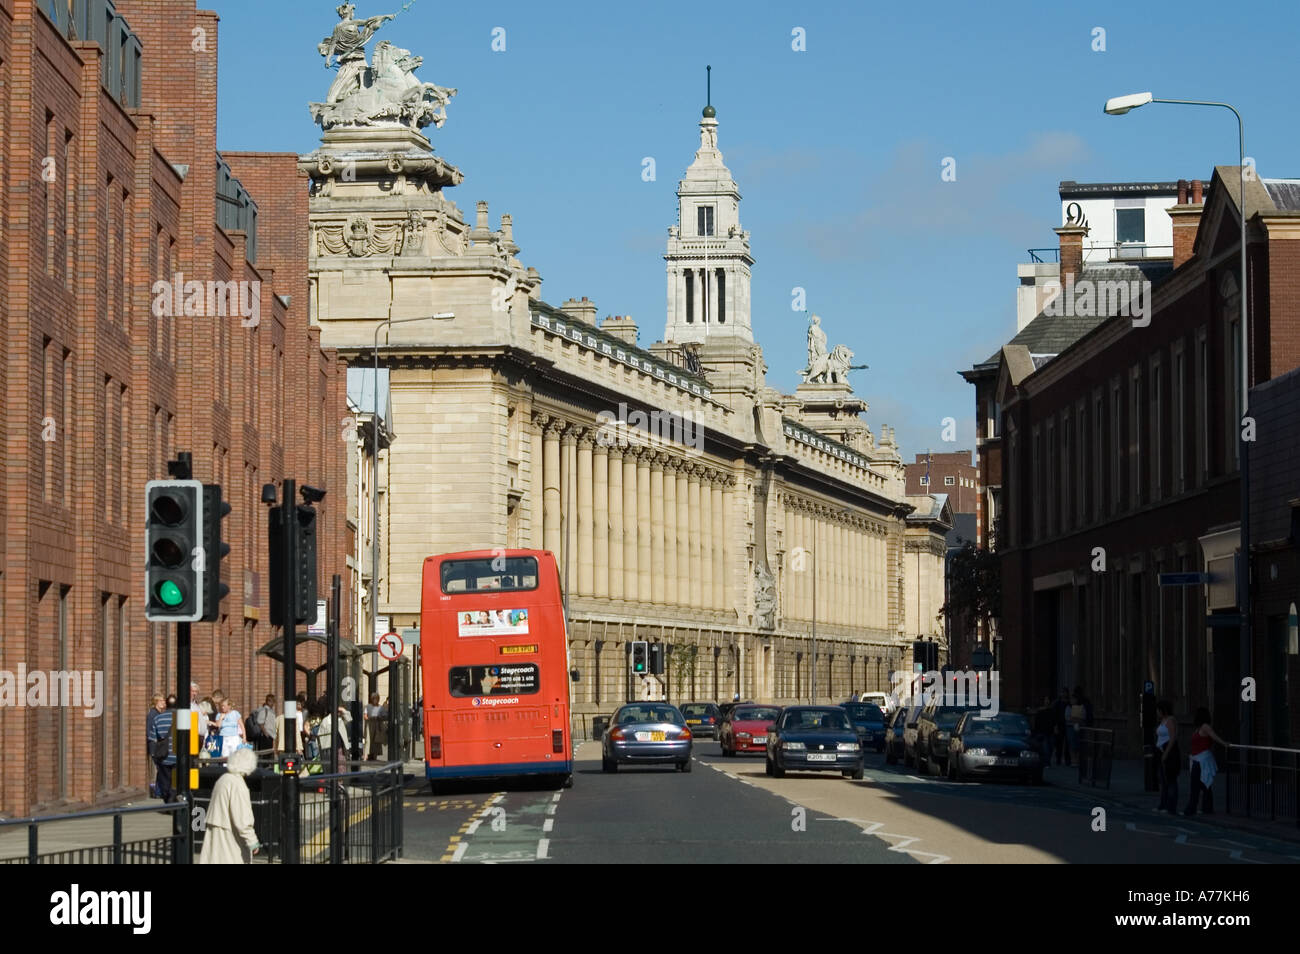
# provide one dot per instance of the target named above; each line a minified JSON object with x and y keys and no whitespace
{"x":516,"y":679}
{"x":499,"y":575}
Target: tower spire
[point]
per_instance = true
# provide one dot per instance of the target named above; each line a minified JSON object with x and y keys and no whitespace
{"x":709,"y":111}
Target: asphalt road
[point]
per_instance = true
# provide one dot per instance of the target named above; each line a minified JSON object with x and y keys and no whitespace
{"x":728,"y":811}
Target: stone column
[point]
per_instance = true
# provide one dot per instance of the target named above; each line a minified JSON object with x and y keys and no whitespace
{"x":583,"y":515}
{"x":630,"y":591}
{"x":657,"y":582}
{"x":551,"y":488}
{"x":729,"y":546}
{"x":719,"y":548}
{"x":693,"y":486}
{"x":615,"y":523}
{"x":536,"y":484}
{"x":643,"y":526}
{"x":600,"y":517}
{"x":842,"y":576}
{"x":671,"y":530}
{"x":569,"y":494}
{"x":683,"y":540}
{"x":706,"y":540}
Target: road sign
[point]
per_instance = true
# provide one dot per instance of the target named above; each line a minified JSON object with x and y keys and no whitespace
{"x":390,"y":646}
{"x":411,"y":637}
{"x":1184,"y":579}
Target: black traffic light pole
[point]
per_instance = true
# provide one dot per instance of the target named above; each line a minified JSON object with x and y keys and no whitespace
{"x":288,"y":616}
{"x":180,"y":469}
{"x":332,"y":688}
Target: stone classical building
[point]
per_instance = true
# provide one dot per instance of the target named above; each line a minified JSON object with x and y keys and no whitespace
{"x":687,"y":501}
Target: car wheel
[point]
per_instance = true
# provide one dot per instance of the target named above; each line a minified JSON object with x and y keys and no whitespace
{"x":767,"y":766}
{"x":686,"y":766}
{"x":858,"y":774}
{"x":608,"y":765}
{"x":777,"y":771}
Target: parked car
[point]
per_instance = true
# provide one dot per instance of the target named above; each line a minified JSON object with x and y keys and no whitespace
{"x":886,"y":702}
{"x":869,"y":720}
{"x":702,"y":717}
{"x":746,"y":729}
{"x":894,"y":735}
{"x":911,"y":717}
{"x":814,"y":739}
{"x":989,"y":746}
{"x":933,"y":731}
{"x":649,"y":733}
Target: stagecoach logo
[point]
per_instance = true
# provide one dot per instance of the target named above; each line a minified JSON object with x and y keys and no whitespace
{"x":497,"y":701}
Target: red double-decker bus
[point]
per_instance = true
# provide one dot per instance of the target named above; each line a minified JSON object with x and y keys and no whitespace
{"x":494,"y":660}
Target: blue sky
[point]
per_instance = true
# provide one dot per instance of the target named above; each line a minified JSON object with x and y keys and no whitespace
{"x":837,"y":149}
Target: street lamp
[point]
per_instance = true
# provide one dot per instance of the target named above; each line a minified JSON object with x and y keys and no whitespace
{"x":374,"y":475}
{"x":817,"y":525}
{"x":1117,"y":107}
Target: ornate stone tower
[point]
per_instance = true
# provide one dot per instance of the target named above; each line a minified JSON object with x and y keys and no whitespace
{"x":708,"y":252}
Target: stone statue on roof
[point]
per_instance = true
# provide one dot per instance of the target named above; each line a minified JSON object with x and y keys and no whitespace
{"x":823,"y":367}
{"x":385,"y":93}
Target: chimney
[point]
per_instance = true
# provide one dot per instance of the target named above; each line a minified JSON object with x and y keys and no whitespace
{"x":1186,"y":218}
{"x":620,"y":326}
{"x":481,"y":219}
{"x":1071,"y":235}
{"x":584,"y":311}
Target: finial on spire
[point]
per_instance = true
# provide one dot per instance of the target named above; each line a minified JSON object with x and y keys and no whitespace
{"x":709,"y":111}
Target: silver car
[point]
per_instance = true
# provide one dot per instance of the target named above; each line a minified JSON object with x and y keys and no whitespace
{"x":649,"y":733}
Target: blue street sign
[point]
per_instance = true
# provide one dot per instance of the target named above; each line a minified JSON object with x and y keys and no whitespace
{"x":1184,"y":579}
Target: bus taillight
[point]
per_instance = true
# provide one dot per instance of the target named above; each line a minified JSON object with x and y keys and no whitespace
{"x":435,"y":746}
{"x":557,"y":740}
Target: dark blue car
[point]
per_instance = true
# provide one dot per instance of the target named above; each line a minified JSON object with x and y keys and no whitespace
{"x":869,"y":719}
{"x":814,"y":739}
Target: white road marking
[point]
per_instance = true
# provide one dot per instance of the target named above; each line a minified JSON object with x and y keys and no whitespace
{"x":460,"y":851}
{"x":541,"y":848}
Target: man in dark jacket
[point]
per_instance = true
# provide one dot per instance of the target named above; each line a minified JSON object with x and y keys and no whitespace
{"x":159,"y":734}
{"x":1045,"y":729}
{"x":1061,"y":712}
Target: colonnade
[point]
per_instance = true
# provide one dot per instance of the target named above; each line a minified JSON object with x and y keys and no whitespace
{"x":646,"y":524}
{"x":851,"y":568}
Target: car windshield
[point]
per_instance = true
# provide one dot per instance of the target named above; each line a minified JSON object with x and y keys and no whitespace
{"x":755,"y":714}
{"x":648,"y":713}
{"x":1006,"y":723}
{"x":816,"y":719}
{"x":864,"y":712}
{"x":697,"y":709}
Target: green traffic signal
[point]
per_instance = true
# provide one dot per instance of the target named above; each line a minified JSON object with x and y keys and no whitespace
{"x":169,"y":594}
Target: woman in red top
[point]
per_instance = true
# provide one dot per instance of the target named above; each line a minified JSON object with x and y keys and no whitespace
{"x":1203,"y":766}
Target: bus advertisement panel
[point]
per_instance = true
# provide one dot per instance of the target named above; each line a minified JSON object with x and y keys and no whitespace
{"x":494,"y":666}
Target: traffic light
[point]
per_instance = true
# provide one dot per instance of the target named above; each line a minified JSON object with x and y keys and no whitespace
{"x":640,"y":654}
{"x":214,"y":551}
{"x":174,"y":553}
{"x":657,"y":658}
{"x":302,"y":549}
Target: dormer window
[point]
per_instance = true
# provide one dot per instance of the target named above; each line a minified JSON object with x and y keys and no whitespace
{"x":704,"y":220}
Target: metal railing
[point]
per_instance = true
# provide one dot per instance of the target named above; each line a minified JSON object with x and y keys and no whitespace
{"x":351,"y":817}
{"x":1260,"y":782}
{"x":156,"y":841}
{"x":1096,"y":753}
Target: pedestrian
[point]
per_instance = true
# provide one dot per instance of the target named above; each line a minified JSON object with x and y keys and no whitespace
{"x":160,"y":746}
{"x":231,"y":725}
{"x":304,"y":720}
{"x":1171,"y":762}
{"x":1060,"y":716}
{"x":375,"y":716}
{"x":200,"y":714}
{"x":212,"y":731}
{"x":1045,"y":729}
{"x":294,"y":735}
{"x":264,"y":719}
{"x":229,"y":835}
{"x":325,"y":735}
{"x":1202,"y":763}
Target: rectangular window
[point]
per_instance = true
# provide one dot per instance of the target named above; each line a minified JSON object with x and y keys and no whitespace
{"x":1067,"y":468}
{"x":1202,"y":409}
{"x":105,"y":647}
{"x":49,"y":177}
{"x":1116,"y":446}
{"x":1050,"y":478}
{"x":1155,"y":431}
{"x":63,"y":710}
{"x":47,"y":408}
{"x":925,"y":481}
{"x":471,"y":576}
{"x":949,"y":481}
{"x":1136,"y":407}
{"x":1081,"y":455}
{"x":1036,"y":483}
{"x":688,"y":276}
{"x":1130,"y":226}
{"x":704,"y":220}
{"x":1177,"y":420}
{"x":110,"y":228}
{"x":1232,"y":401}
{"x":1097,"y":492}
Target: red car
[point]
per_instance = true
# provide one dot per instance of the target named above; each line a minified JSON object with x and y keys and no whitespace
{"x":746,"y":728}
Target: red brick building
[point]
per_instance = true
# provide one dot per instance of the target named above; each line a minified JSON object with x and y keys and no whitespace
{"x":113,"y":183}
{"x":952,"y":473}
{"x":1120,"y":463}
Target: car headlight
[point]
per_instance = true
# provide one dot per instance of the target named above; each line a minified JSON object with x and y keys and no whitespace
{"x":793,"y":746}
{"x":941,"y":736}
{"x":847,"y":747}
{"x":743,"y":735}
{"x":1029,"y":755}
{"x":977,"y":751}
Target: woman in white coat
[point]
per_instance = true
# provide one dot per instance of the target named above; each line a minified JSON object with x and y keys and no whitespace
{"x":230,"y":815}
